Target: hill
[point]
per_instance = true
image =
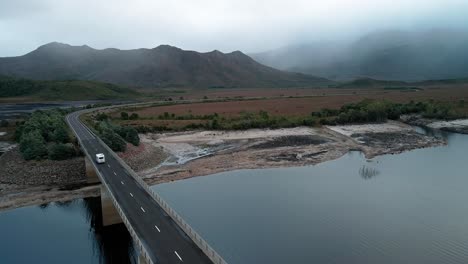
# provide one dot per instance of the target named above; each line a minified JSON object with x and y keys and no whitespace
{"x":163,"y":66}
{"x":62,"y":90}
{"x":373,"y":83}
{"x":387,"y":55}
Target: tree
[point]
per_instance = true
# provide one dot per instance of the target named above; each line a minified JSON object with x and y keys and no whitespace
{"x":33,"y":146}
{"x":215,"y":124}
{"x":61,"y":151}
{"x":101,"y":116}
{"x":124,"y":115}
{"x":60,"y":135}
{"x":113,"y":140}
{"x":128,"y":133}
{"x":4,"y":123}
{"x":134,"y":116}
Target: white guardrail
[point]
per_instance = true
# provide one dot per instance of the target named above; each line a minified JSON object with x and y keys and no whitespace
{"x":197,"y":239}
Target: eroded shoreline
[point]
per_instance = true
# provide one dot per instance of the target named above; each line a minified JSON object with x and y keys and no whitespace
{"x":194,"y":154}
{"x":169,"y":157}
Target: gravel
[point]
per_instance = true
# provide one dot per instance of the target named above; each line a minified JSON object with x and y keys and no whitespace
{"x":15,"y":170}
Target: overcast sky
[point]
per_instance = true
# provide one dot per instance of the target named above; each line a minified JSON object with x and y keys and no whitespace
{"x":204,"y":25}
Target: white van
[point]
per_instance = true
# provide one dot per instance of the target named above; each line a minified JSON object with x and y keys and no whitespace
{"x":100,"y":158}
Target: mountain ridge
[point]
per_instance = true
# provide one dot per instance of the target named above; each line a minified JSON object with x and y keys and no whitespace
{"x":159,"y":67}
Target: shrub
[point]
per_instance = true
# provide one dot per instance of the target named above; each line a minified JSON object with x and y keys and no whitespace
{"x":33,"y":146}
{"x":124,"y":115}
{"x":113,"y":140}
{"x":60,"y":135}
{"x":61,"y":151}
{"x":102,"y":117}
{"x":4,"y":123}
{"x":128,"y":133}
{"x":133,"y":116}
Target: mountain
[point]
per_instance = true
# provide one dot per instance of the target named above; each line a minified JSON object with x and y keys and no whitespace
{"x":373,"y":83}
{"x":389,"y":55}
{"x":62,"y":90}
{"x":163,"y":66}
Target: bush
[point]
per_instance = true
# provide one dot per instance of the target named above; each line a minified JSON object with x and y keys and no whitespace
{"x":113,"y":140}
{"x":128,"y":133}
{"x":102,"y":117}
{"x":61,"y":151}
{"x":124,"y":115}
{"x":33,"y":146}
{"x":60,"y":135}
{"x":133,"y":116}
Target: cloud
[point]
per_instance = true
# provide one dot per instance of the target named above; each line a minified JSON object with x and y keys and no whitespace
{"x":212,"y":24}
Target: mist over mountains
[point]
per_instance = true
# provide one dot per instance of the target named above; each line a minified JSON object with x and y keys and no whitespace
{"x":163,"y":66}
{"x":387,"y":55}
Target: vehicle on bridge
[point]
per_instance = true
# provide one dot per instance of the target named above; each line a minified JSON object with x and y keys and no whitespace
{"x":100,"y":158}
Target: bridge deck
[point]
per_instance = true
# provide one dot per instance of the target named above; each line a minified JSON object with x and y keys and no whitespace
{"x":162,"y":237}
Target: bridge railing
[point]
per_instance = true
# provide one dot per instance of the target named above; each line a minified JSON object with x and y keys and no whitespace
{"x":125,"y":220}
{"x":197,"y":239}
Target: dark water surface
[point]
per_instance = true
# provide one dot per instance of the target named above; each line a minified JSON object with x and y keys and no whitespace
{"x":68,"y":232}
{"x":405,"y":208}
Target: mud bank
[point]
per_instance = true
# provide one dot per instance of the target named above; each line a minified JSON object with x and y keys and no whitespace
{"x":456,"y":126}
{"x":35,"y":182}
{"x":193,"y":154}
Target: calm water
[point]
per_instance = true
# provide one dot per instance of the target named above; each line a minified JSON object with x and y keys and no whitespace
{"x":67,"y":232}
{"x":406,"y":208}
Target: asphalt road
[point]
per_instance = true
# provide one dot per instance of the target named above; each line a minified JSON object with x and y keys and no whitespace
{"x":164,"y":240}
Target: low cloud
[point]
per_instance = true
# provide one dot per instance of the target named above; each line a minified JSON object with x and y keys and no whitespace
{"x":205,"y":25}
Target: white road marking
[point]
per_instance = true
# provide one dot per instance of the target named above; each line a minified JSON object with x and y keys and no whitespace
{"x":143,"y":209}
{"x":131,"y":194}
{"x":157,"y":228}
{"x":178,"y":256}
{"x":115,"y":173}
{"x":108,"y":165}
{"x":122,"y":182}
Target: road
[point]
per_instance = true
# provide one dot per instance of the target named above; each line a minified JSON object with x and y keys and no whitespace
{"x":163,"y":238}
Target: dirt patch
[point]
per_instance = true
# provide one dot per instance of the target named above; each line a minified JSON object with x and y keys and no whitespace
{"x":392,"y":143}
{"x":291,"y":141}
{"x":15,"y":170}
{"x":143,"y":157}
{"x":25,"y":183}
{"x":14,"y":196}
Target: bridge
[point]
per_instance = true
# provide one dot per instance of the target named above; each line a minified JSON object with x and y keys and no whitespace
{"x":160,"y":234}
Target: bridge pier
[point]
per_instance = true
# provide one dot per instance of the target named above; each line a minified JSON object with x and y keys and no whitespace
{"x":91,"y":174}
{"x":110,"y":216}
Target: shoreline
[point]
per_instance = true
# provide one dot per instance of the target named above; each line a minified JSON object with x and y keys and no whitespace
{"x":169,"y":157}
{"x":259,"y":149}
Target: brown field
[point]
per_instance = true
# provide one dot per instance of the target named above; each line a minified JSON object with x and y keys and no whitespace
{"x":327,"y":98}
{"x":172,"y":124}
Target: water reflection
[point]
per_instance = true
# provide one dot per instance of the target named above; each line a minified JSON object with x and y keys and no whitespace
{"x":112,"y":243}
{"x":368,"y":172}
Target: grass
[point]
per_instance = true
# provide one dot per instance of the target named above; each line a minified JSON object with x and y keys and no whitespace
{"x":70,"y":90}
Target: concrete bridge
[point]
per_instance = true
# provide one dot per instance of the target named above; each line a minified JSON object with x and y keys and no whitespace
{"x":161,"y":235}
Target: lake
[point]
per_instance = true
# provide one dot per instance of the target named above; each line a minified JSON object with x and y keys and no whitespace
{"x":405,"y":208}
